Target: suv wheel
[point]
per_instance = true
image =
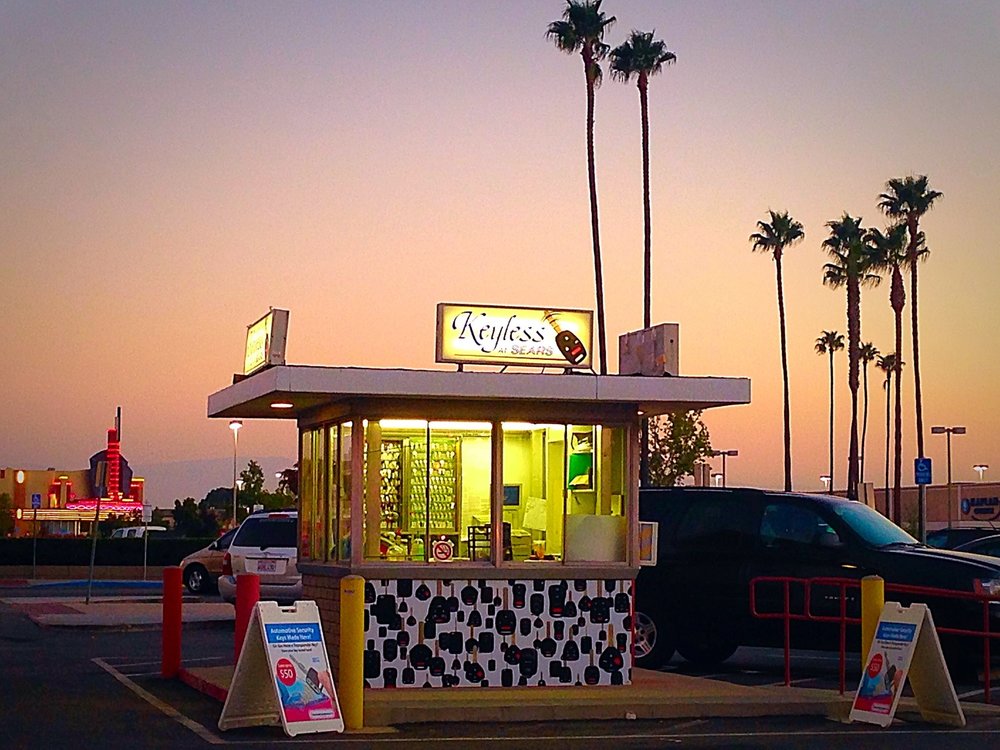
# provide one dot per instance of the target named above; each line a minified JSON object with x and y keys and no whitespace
{"x":196,"y":579}
{"x":706,"y":651}
{"x":653,"y":644}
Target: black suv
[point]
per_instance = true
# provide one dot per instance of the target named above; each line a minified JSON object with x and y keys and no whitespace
{"x":713,"y":542}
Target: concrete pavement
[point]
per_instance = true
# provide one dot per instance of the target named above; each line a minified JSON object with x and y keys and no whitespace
{"x":652,"y":695}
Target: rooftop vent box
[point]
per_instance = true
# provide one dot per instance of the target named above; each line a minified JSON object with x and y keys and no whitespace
{"x":651,"y":351}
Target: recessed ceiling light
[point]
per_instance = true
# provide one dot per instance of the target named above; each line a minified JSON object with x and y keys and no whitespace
{"x":282,"y":405}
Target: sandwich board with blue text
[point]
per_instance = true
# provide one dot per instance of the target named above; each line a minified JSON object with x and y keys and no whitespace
{"x":906,"y":647}
{"x":283,"y":675}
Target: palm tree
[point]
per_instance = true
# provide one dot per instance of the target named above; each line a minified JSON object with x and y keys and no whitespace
{"x":642,"y":56}
{"x":782,"y":231}
{"x":868,"y":352}
{"x":889,"y":247}
{"x":828,"y":343}
{"x":582,"y":30}
{"x":907,"y":199}
{"x":854,"y":265}
{"x":888,"y":365}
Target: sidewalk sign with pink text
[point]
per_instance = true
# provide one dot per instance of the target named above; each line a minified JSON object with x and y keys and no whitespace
{"x":906,"y":647}
{"x":283,"y":675}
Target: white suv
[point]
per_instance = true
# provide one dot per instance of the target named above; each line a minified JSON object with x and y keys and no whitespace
{"x":265,"y":544}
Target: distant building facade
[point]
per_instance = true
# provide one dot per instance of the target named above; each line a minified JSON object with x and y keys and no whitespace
{"x":68,"y":500}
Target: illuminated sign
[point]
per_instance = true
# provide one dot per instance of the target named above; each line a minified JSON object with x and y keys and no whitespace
{"x":533,"y":336}
{"x":266,"y":341}
{"x":981,"y":508}
{"x":107,"y":505}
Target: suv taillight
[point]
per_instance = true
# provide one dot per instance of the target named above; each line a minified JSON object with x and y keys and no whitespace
{"x":227,"y":564}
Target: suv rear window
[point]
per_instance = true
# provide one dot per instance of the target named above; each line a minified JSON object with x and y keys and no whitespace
{"x":267,"y":531}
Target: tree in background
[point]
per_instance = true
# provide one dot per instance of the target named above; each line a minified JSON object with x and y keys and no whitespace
{"x":773,"y":237}
{"x":889,"y":364}
{"x":582,"y":30}
{"x":854,"y":266}
{"x":642,"y":56}
{"x":6,"y":514}
{"x":288,"y":484}
{"x":252,"y":490}
{"x":679,"y":441}
{"x":828,"y":343}
{"x":889,"y":246}
{"x":868,"y":352}
{"x":193,"y":518}
{"x":907,"y":199}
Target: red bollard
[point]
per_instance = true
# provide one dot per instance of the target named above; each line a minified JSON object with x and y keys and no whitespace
{"x":247,"y":596}
{"x":172,"y":603}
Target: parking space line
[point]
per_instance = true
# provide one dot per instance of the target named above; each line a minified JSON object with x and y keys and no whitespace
{"x":165,"y":708}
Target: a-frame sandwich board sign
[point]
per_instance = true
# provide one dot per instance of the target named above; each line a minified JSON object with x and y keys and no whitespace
{"x":906,"y":647}
{"x":283,"y":675}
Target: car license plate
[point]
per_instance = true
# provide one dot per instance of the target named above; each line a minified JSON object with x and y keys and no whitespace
{"x":267,"y":566}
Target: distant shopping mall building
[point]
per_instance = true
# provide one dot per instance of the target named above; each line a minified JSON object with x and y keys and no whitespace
{"x":64,"y":503}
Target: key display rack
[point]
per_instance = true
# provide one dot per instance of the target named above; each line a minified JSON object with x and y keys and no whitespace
{"x":439,"y":509}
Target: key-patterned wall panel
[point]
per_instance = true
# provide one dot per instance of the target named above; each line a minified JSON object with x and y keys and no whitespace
{"x":479,"y":633}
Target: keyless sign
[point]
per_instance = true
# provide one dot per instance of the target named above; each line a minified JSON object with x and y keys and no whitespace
{"x":534,"y":336}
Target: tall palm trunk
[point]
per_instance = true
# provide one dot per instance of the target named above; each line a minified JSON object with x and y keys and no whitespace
{"x":831,"y":422}
{"x":588,"y":64}
{"x":888,"y":433}
{"x":898,"y":300}
{"x":916,"y":356}
{"x":647,"y":256}
{"x":853,"y":343}
{"x":864,"y":423}
{"x":784,"y":376}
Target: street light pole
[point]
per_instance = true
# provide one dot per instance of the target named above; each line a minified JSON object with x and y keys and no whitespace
{"x":235,"y":427}
{"x":724,"y":454}
{"x":947,"y":432}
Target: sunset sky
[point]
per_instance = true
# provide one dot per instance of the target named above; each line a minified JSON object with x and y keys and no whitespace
{"x":172,"y":169}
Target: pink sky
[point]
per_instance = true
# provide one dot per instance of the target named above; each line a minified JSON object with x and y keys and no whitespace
{"x":171,"y":170}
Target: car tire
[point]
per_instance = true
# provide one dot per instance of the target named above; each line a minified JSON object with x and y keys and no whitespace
{"x":706,"y":652}
{"x":196,"y":579}
{"x":653,"y":642}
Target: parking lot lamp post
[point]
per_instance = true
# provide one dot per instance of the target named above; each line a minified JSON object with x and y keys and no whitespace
{"x":717,"y":476}
{"x":948,"y":432}
{"x":825,"y":479}
{"x":724,"y":454}
{"x":981,"y":468}
{"x":235,"y":427}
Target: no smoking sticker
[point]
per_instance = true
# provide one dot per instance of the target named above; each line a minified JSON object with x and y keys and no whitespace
{"x":442,"y":550}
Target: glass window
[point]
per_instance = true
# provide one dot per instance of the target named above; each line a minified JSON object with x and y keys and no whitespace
{"x":332,"y":504}
{"x":564,"y":493}
{"x":267,"y":531}
{"x":312,"y":487}
{"x":427,"y":490}
{"x":343,"y":536}
{"x":784,"y":524}
{"x":715,"y":523}
{"x":307,"y":492}
{"x":873,"y":528}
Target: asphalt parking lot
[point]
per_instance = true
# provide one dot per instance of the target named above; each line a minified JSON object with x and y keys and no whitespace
{"x":86,"y":687}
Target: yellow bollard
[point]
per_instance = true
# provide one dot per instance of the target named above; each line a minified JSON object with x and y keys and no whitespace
{"x":351,"y":689}
{"x":872,"y":601}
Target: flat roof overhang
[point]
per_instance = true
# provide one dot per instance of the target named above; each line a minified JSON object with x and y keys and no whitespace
{"x":307,"y":387}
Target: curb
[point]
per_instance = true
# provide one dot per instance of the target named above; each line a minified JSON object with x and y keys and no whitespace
{"x":202,"y":685}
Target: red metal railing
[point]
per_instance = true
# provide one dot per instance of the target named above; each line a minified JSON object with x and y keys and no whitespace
{"x":842,"y":619}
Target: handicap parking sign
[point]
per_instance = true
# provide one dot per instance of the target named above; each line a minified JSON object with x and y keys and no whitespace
{"x":36,"y":501}
{"x":922,"y":470}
